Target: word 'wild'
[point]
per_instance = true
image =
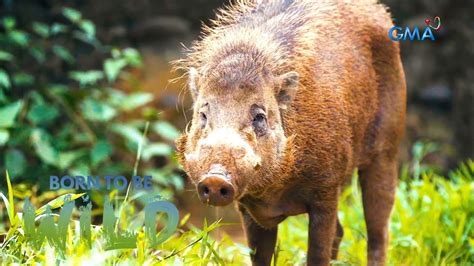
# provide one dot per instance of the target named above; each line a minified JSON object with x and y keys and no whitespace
{"x":56,"y":234}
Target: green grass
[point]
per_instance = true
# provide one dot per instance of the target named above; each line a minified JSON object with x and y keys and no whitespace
{"x":432,"y":224}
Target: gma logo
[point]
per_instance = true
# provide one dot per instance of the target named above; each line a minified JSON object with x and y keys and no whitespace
{"x":399,"y":34}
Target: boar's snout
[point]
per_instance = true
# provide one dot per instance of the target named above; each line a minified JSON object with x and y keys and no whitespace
{"x":215,"y":190}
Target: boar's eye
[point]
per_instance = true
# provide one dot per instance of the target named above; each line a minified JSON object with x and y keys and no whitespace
{"x":259,"y":124}
{"x":203,"y":120}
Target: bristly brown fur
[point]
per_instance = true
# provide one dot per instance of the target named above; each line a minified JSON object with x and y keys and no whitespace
{"x":256,"y":39}
{"x":348,"y":112}
{"x":250,"y":37}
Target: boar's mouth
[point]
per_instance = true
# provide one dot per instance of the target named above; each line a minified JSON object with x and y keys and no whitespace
{"x":216,"y":189}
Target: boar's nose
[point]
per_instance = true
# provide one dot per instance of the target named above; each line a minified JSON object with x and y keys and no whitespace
{"x":215,"y":190}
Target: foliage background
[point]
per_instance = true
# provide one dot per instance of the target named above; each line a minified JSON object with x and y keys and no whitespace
{"x":58,"y":118}
{"x":77,"y":99}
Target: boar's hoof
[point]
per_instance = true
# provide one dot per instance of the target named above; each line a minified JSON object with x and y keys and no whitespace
{"x":215,"y":190}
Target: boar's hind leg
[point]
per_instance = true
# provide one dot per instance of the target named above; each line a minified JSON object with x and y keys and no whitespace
{"x":260,"y":240}
{"x":378,"y":182}
{"x":337,"y":240}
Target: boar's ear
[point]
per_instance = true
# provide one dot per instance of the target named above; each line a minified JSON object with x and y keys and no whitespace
{"x":288,"y":85}
{"x":192,"y":76}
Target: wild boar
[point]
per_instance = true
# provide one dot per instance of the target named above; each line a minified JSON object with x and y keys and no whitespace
{"x":290,"y":96}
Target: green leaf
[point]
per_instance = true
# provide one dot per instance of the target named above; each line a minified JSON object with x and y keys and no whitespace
{"x":5,"y":56}
{"x":132,"y":56}
{"x":9,"y":23}
{"x":80,"y":169}
{"x":156,"y":149}
{"x":4,"y":79}
{"x":59,"y":89}
{"x":8,"y":114}
{"x":88,"y":27}
{"x":87,"y":39}
{"x":4,"y":136}
{"x":166,"y":130}
{"x":58,"y":28}
{"x":97,"y":111}
{"x":42,"y":113}
{"x":18,"y":37}
{"x":3,"y":97}
{"x":41,"y":29}
{"x":37,"y":54}
{"x":150,"y":113}
{"x":177,"y":182}
{"x":85,"y":78}
{"x":135,"y":100}
{"x":43,"y":148}
{"x":23,"y":79}
{"x":72,"y":14}
{"x":101,"y":151}
{"x":15,"y":162}
{"x":63,"y":53}
{"x":67,"y":158}
{"x":37,"y":98}
{"x":112,"y":68}
{"x":115,"y":97}
{"x":130,"y":133}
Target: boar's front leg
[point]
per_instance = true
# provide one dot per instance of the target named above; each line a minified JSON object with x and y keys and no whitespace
{"x":260,"y":240}
{"x":322,"y":226}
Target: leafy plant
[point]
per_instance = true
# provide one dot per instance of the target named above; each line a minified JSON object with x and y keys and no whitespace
{"x":59,"y":117}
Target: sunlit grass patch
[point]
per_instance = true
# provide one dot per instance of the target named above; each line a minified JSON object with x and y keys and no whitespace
{"x":432,"y":224}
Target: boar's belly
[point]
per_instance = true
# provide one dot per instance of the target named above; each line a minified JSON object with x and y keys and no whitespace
{"x":271,"y":215}
{"x":291,"y":209}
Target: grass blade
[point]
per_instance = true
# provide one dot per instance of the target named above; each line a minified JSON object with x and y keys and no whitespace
{"x":11,"y":205}
{"x":58,"y":202}
{"x":7,"y":204}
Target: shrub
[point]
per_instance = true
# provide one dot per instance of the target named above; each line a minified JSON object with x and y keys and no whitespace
{"x":60,"y":113}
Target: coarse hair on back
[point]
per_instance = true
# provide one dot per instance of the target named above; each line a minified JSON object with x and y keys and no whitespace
{"x":250,"y":38}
